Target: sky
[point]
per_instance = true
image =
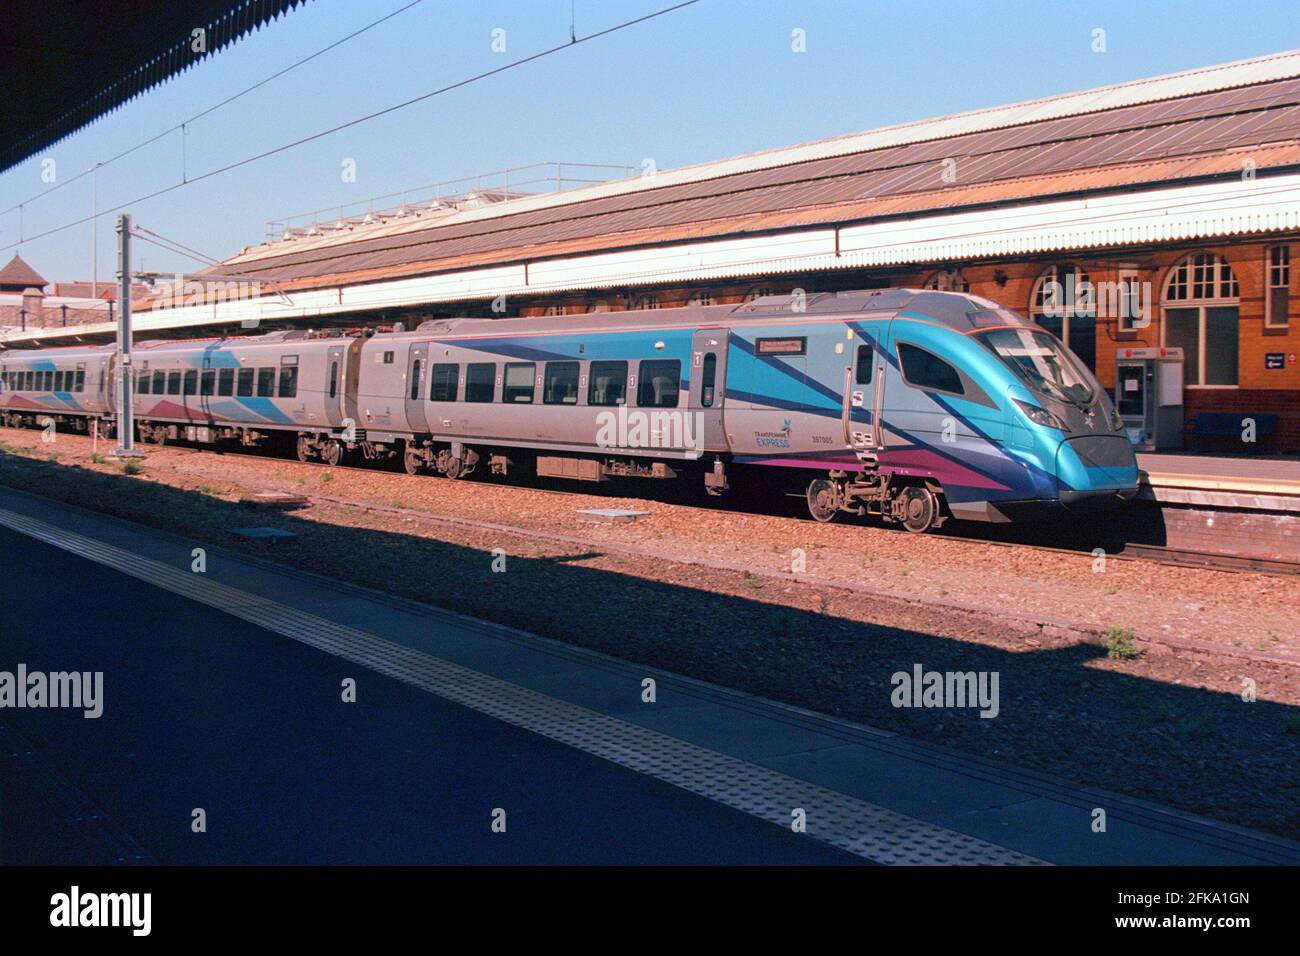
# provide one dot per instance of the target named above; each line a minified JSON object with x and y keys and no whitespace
{"x":716,"y":79}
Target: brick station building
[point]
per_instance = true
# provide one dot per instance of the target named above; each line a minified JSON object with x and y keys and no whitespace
{"x":1162,"y":212}
{"x":30,"y":304}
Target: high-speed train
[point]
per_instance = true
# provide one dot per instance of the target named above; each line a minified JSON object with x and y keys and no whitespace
{"x":913,"y":405}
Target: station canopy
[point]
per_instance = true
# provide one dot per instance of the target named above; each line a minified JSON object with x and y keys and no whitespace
{"x":68,"y":62}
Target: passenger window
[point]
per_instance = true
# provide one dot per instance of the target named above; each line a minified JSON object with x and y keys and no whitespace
{"x":480,"y":381}
{"x":518,"y":386}
{"x":58,"y":381}
{"x":191,"y":384}
{"x":159,"y":382}
{"x":266,"y":383}
{"x":142,"y":383}
{"x":173,"y":383}
{"x":334,"y":378}
{"x":924,"y":370}
{"x":862,"y":374}
{"x":288,"y":381}
{"x":561,"y":384}
{"x":47,"y":381}
{"x":444,"y":382}
{"x":208,"y":381}
{"x":225,"y":381}
{"x":707,"y":381}
{"x":244,"y":383}
{"x":607,"y":383}
{"x":81,"y":380}
{"x":658,"y":384}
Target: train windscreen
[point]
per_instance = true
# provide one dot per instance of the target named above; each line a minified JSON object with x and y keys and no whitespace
{"x":1042,"y":362}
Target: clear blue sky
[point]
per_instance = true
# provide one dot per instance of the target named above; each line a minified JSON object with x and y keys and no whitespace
{"x":710,"y":81}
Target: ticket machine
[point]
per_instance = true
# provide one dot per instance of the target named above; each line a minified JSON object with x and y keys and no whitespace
{"x":1149,"y":396}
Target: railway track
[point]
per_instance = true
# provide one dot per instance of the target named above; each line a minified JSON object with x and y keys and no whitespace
{"x":1183,"y":557}
{"x":1133,"y":551}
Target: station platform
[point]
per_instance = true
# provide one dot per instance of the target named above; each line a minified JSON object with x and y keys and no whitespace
{"x":874,"y":795}
{"x":1256,"y":484}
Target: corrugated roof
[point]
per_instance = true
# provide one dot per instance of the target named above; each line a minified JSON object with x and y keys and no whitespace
{"x":1140,"y":143}
{"x":1168,"y":213}
{"x":1078,"y":106}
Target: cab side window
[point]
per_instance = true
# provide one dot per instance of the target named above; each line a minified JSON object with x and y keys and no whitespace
{"x":926,"y":371}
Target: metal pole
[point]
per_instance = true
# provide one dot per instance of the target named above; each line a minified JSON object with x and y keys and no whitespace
{"x":126,"y":378}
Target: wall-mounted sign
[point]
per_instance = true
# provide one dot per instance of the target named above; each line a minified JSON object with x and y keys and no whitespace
{"x":1274,"y":360}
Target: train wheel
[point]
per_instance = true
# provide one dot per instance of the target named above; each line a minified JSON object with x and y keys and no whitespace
{"x":332,"y":452}
{"x":823,"y":503}
{"x":455,"y":468}
{"x":154,"y":436}
{"x":412,"y":460}
{"x":304,"y":448}
{"x":920,"y":509}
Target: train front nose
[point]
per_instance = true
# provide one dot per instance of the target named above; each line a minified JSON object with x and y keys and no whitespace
{"x":1096,"y":468}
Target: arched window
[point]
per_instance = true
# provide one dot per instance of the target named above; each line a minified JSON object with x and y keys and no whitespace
{"x":1065,"y":303}
{"x":646,"y":301}
{"x":757,"y":292}
{"x":1201,"y":316}
{"x":947,"y":281}
{"x":702,"y":297}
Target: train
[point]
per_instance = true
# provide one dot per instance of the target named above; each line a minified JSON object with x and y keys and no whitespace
{"x":912,"y":405}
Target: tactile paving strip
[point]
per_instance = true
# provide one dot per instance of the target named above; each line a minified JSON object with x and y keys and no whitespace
{"x":835,"y":818}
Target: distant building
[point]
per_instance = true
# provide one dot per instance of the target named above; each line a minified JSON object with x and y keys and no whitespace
{"x":29,"y":302}
{"x":18,"y":277}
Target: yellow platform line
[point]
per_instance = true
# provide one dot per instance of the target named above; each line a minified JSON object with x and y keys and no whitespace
{"x":1258,"y":486}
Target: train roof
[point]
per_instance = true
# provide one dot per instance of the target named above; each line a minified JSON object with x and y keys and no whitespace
{"x":959,"y":311}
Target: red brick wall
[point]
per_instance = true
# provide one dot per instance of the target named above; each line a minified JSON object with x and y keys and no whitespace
{"x":1248,"y":401}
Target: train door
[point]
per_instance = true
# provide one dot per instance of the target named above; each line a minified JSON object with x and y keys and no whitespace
{"x":416,"y":374}
{"x":708,"y":379}
{"x":865,"y":375}
{"x":104,"y":388}
{"x":207,"y":388}
{"x":335,"y":376}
